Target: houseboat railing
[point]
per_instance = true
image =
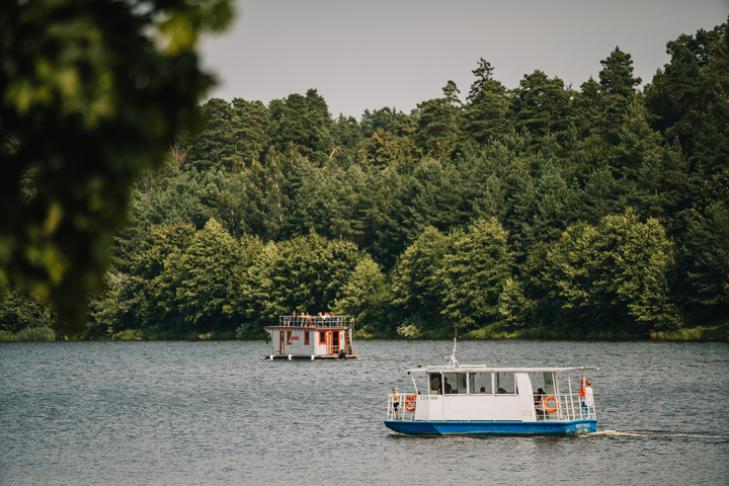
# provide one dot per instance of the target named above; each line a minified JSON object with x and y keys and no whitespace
{"x":548,"y":407}
{"x":316,"y":321}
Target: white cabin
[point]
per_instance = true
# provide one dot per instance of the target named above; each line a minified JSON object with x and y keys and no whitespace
{"x":477,"y":392}
{"x":311,"y":337}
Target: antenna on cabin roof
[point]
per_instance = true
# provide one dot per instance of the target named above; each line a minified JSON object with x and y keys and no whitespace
{"x":454,"y":361}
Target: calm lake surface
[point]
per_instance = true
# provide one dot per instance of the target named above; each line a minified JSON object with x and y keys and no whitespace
{"x":217,"y":413}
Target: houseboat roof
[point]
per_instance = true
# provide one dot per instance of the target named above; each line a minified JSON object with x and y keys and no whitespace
{"x":329,"y":321}
{"x":466,"y":368}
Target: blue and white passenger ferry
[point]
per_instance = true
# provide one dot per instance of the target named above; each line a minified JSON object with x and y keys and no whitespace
{"x":481,"y":400}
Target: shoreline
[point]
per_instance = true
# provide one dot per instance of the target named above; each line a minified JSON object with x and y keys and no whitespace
{"x":715,"y":333}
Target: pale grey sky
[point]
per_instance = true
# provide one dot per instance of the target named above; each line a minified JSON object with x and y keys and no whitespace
{"x":372,"y":53}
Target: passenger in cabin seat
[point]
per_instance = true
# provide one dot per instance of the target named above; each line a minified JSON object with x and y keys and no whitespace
{"x":483,"y":390}
{"x":435,"y":384}
{"x":447,"y":386}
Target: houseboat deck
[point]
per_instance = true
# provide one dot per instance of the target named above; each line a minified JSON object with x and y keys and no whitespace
{"x":291,"y":357}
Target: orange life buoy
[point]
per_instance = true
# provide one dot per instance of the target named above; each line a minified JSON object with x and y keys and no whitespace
{"x":410,"y":403}
{"x":550,"y":399}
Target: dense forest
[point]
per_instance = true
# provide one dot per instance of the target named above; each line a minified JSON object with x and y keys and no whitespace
{"x":539,"y":211}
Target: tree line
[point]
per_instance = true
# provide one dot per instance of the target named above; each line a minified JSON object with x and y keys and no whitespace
{"x":542,"y":210}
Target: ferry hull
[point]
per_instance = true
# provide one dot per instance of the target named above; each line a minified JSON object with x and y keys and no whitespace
{"x":454,"y":427}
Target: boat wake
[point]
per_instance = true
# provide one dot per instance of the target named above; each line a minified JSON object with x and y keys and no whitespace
{"x":657,"y":434}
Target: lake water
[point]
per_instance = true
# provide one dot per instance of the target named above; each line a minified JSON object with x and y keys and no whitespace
{"x":217,"y":413}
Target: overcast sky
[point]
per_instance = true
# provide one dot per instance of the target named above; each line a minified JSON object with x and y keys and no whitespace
{"x":372,"y":53}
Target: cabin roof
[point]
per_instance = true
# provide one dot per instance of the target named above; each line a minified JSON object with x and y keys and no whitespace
{"x":465,"y":368}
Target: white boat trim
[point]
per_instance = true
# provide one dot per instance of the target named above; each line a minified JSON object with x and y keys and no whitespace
{"x":465,"y":368}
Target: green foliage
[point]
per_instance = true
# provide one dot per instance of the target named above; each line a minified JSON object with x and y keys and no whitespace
{"x":487,"y":107}
{"x":416,"y":288}
{"x":382,"y":149}
{"x":514,"y":307}
{"x":688,"y":100}
{"x":615,"y":272}
{"x":93,"y":94}
{"x":37,"y":333}
{"x":617,"y":88}
{"x":365,"y":297}
{"x":705,"y":251}
{"x":540,"y":106}
{"x":128,"y":335}
{"x":540,"y":211}
{"x":438,"y":123}
{"x":303,"y":124}
{"x":19,"y":311}
{"x":409,"y":331}
{"x":473,"y":272}
{"x":198,"y":285}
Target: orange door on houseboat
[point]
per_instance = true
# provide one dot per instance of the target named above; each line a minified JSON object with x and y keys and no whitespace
{"x":332,"y":340}
{"x":335,"y":343}
{"x":328,"y":337}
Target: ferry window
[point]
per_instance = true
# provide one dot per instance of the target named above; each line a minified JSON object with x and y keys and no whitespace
{"x":505,"y":383}
{"x":434,"y":380}
{"x":306,"y":338}
{"x":548,"y":382}
{"x":479,"y":383}
{"x":454,"y":383}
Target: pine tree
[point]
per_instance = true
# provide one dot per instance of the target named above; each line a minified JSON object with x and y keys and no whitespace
{"x":438,"y":123}
{"x":249,"y":130}
{"x":487,"y":106}
{"x":617,"y":88}
{"x":540,"y":106}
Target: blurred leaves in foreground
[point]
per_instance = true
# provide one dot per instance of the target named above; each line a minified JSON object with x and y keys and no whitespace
{"x":92,"y":93}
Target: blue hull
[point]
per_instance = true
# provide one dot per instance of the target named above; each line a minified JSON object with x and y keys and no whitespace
{"x":454,"y":427}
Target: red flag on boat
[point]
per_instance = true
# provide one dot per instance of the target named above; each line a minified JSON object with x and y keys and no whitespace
{"x":583,"y":392}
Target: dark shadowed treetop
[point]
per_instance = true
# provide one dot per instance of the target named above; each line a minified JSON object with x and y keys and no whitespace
{"x":617,"y":85}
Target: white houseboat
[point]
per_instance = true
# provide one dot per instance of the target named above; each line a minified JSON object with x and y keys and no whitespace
{"x":483,"y":400}
{"x":311,"y":337}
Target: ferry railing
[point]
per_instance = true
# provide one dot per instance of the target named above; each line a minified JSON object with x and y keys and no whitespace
{"x":400,"y":412}
{"x":559,"y":407}
{"x":316,"y":321}
{"x":563,"y":406}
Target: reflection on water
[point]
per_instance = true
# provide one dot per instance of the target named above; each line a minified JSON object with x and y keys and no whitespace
{"x":217,"y":413}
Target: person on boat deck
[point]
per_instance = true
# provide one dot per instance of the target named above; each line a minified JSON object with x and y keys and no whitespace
{"x":538,"y":405}
{"x":589,"y":394}
{"x":395,"y":398}
{"x":447,"y":386}
{"x":483,"y":390}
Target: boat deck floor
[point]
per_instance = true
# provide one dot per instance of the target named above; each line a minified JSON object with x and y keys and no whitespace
{"x":290,"y":357}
